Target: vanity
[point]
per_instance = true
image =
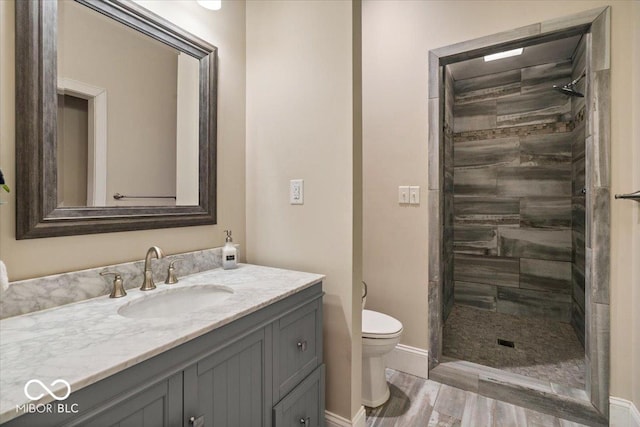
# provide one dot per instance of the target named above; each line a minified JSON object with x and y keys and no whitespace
{"x":252,"y":357}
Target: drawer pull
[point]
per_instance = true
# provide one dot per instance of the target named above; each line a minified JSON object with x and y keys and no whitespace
{"x":306,"y":422}
{"x":197,"y":422}
{"x":302,"y":345}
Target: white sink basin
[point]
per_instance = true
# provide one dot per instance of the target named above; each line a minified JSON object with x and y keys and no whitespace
{"x":176,"y":301}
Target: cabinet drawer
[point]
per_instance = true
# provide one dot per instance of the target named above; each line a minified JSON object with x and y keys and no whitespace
{"x":304,"y":406}
{"x":297,"y":349}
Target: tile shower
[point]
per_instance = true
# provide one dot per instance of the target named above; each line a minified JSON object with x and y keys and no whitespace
{"x":514,"y":219}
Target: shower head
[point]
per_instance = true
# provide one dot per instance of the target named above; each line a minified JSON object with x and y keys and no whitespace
{"x":569,"y":89}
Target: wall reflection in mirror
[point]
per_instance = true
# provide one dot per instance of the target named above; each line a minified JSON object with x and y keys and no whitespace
{"x":128,"y":115}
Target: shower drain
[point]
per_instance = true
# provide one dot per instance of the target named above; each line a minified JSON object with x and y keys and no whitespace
{"x":506,"y":343}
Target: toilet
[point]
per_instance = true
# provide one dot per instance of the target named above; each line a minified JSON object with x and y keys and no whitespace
{"x":380,"y":334}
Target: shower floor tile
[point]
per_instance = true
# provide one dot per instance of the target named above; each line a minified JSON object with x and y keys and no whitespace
{"x":543,"y":349}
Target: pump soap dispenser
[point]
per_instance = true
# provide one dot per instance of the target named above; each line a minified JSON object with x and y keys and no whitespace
{"x":229,"y":253}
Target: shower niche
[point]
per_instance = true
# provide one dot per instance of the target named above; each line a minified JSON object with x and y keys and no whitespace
{"x":519,"y":204}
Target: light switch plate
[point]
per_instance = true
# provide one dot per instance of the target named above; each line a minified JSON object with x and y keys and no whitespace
{"x":403,"y":194}
{"x":414,"y":195}
{"x":296,"y":192}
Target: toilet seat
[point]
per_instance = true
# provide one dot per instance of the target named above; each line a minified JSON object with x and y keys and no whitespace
{"x":379,"y":325}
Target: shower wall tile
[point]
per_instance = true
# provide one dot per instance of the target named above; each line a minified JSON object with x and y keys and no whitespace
{"x":448,"y":287}
{"x":491,"y":93}
{"x":525,"y":302}
{"x":599,"y":265}
{"x":435,"y":322}
{"x":474,"y":182}
{"x":530,"y":181}
{"x":508,"y":132}
{"x":600,"y":130}
{"x":546,"y":150}
{"x":579,"y":68}
{"x":578,"y":163}
{"x":514,"y":157}
{"x":476,"y":240}
{"x":532,"y":109}
{"x":535,"y":243}
{"x":575,"y":20}
{"x":487,"y":270}
{"x":435,"y":139}
{"x":601,"y":47}
{"x":578,"y":249}
{"x":476,"y":295}
{"x":435,"y":239}
{"x":545,"y":275}
{"x":488,"y":152}
{"x":577,"y":321}
{"x":489,"y":81}
{"x":539,"y":212}
{"x":486,"y":211}
{"x":578,"y":140}
{"x":448,"y":100}
{"x":478,"y":115}
{"x":448,"y":165}
{"x":598,"y":350}
{"x":540,"y":78}
{"x":435,"y":75}
{"x":492,"y":86}
{"x":577,"y":284}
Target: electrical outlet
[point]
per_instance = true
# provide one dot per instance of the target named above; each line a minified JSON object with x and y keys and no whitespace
{"x":414,"y":194}
{"x":296,"y":192}
{"x":403,"y":194}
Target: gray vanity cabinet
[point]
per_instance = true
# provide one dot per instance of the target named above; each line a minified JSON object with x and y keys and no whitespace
{"x":262,"y":370}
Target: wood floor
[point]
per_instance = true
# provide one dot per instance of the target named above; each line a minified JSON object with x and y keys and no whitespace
{"x":416,"y":402}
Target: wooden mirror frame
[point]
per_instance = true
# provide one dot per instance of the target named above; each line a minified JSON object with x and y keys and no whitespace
{"x":37,"y":213}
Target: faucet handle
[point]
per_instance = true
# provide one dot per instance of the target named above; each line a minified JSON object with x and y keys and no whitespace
{"x":118,"y":288}
{"x":171,"y":273}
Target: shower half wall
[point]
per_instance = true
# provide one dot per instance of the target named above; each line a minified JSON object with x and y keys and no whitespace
{"x":509,"y":206}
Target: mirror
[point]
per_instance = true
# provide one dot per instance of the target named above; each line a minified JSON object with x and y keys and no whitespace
{"x":115,"y":120}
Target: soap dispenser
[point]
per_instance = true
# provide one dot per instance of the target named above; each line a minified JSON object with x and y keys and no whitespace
{"x":229,"y":253}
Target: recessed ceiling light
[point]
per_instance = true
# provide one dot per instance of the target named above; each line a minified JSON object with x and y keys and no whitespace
{"x":505,"y":54}
{"x":210,"y":4}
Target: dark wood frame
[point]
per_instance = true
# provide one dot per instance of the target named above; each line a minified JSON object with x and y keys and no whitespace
{"x":37,"y":213}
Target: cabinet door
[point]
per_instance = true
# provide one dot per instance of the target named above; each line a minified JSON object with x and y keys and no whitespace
{"x":228,"y":388}
{"x":304,"y":406}
{"x":156,"y":406}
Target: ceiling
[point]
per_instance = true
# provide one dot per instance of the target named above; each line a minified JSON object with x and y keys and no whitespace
{"x":543,"y":53}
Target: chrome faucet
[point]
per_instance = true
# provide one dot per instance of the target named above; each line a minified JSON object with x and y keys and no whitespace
{"x":148,"y":284}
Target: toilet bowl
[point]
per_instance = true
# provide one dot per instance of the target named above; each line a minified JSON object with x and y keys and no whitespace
{"x":380,"y":334}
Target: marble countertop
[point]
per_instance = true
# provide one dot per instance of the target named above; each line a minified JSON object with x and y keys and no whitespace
{"x":87,"y":341}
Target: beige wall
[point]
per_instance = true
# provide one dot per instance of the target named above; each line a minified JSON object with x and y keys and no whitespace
{"x":396,"y":39}
{"x":31,"y":258}
{"x":300,"y":125}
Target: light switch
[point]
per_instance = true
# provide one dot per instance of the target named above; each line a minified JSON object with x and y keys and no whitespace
{"x":296,"y":192}
{"x":414,"y":195}
{"x":403,"y":194}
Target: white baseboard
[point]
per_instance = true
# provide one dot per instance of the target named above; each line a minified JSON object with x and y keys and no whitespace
{"x":333,"y":420}
{"x":360,"y":420}
{"x":623,"y":413}
{"x":411,"y":360}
